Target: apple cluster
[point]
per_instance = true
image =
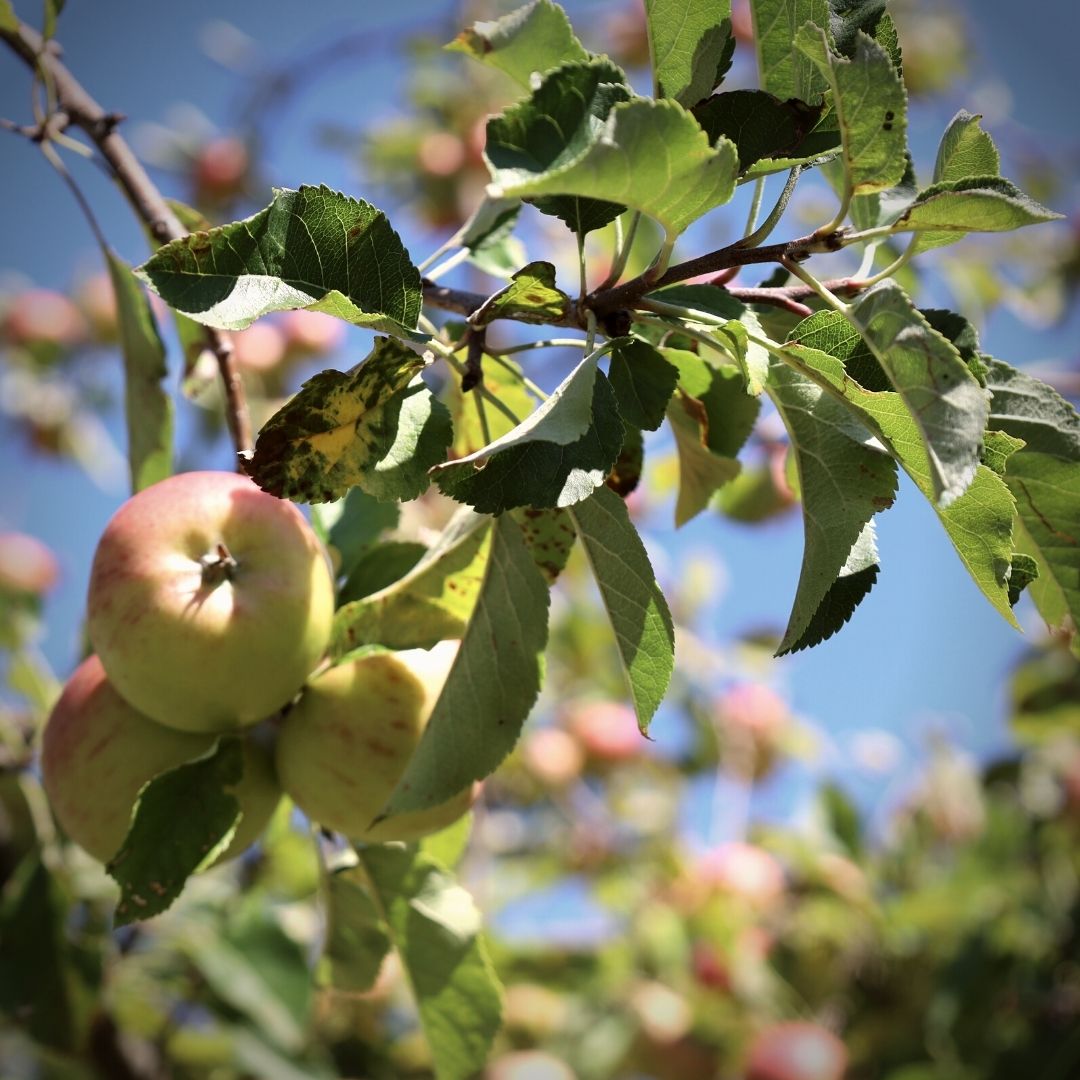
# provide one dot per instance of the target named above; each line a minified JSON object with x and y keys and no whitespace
{"x":209,"y":612}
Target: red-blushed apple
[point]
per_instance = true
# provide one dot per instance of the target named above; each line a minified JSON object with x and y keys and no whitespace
{"x":441,"y":153}
{"x":96,"y":299}
{"x":220,"y":169}
{"x":607,"y":730}
{"x":528,"y":1065}
{"x":343,"y":747}
{"x":553,"y":756}
{"x":312,"y":332}
{"x":751,"y":719}
{"x":210,"y":602}
{"x":741,"y":870}
{"x":260,"y":347}
{"x":43,"y":316}
{"x":796,"y":1050}
{"x":97,"y":752}
{"x":26,"y":565}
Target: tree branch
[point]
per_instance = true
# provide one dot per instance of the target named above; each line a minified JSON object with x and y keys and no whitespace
{"x":84,"y":112}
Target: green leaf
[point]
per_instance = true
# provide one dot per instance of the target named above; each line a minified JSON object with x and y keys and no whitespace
{"x":649,"y":155}
{"x":643,"y":382}
{"x":1027,"y":408}
{"x":313,"y":248}
{"x":357,"y":939}
{"x":536,"y":37}
{"x":626,"y":473}
{"x":502,"y":378}
{"x":488,"y":237}
{"x":978,"y":522}
{"x":147,"y":405}
{"x":948,"y":406}
{"x":691,"y":45}
{"x":633,"y":601}
{"x":448,"y":846}
{"x":36,"y":969}
{"x":870,"y":106}
{"x":784,"y":70}
{"x":1024,"y":571}
{"x":431,"y":603}
{"x":998,"y":447}
{"x":965,"y":150}
{"x":435,"y":927}
{"x":842,"y":486}
{"x":763,"y":127}
{"x":944,"y":213}
{"x":549,"y":535}
{"x":556,"y":457}
{"x":530,"y":297}
{"x":162,"y":850}
{"x":353,"y":524}
{"x":701,"y":471}
{"x":379,"y":568}
{"x":1047,"y":492}
{"x":492,"y":685}
{"x":378,"y":428}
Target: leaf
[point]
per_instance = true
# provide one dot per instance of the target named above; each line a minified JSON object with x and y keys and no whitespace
{"x":536,"y":37}
{"x":998,"y":447}
{"x":556,"y":457}
{"x":1029,"y":409}
{"x":701,"y":472}
{"x":649,"y":155}
{"x":36,"y":966}
{"x":949,"y":407}
{"x":357,"y":939}
{"x":1023,"y":572}
{"x":625,"y":474}
{"x":163,"y":849}
{"x":148,"y":407}
{"x":530,"y":297}
{"x":784,"y":70}
{"x":492,"y":685}
{"x":502,"y":378}
{"x":313,"y":248}
{"x":842,"y":486}
{"x":1047,"y":492}
{"x":488,"y":236}
{"x":378,"y":428}
{"x":944,"y":213}
{"x":380,"y":567}
{"x":762,"y":127}
{"x":435,"y":927}
{"x":352,"y":525}
{"x":870,"y":107}
{"x":965,"y":150}
{"x":643,"y":382}
{"x":549,"y":535}
{"x":633,"y":601}
{"x":691,"y":45}
{"x":431,"y":603}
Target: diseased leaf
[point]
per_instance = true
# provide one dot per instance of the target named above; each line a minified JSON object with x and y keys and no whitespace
{"x":148,"y":408}
{"x":691,"y":45}
{"x":556,"y":457}
{"x":643,"y":382}
{"x":378,"y":428}
{"x":848,"y":17}
{"x":625,"y":474}
{"x":530,"y":297}
{"x":493,"y":683}
{"x":161,"y":850}
{"x":357,"y":939}
{"x":313,"y":248}
{"x":784,"y":70}
{"x":1027,"y":408}
{"x":763,"y":127}
{"x":948,"y":406}
{"x":536,"y":37}
{"x":549,"y":535}
{"x":842,"y":486}
{"x":633,"y":601}
{"x":649,"y":155}
{"x":435,"y":928}
{"x":431,"y":603}
{"x":965,"y":150}
{"x":870,"y":107}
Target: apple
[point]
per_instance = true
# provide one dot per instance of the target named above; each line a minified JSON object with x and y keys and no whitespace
{"x":26,"y":565}
{"x":210,"y":602}
{"x":742,"y":870}
{"x":607,"y":730}
{"x":221,"y":168}
{"x":312,"y":332}
{"x":553,"y":756}
{"x":528,"y":1065}
{"x":97,"y":752}
{"x":259,"y":348}
{"x":751,"y":719}
{"x":796,"y":1050}
{"x":43,"y":316}
{"x":441,"y":153}
{"x":343,"y":747}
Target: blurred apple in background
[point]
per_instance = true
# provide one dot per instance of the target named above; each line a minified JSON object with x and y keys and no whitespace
{"x":43,"y":316}
{"x":796,"y":1050}
{"x":607,"y":730}
{"x":27,"y":565}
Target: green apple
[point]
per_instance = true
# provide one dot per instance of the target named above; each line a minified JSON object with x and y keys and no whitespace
{"x":210,"y":602}
{"x":97,"y":752}
{"x":345,"y":744}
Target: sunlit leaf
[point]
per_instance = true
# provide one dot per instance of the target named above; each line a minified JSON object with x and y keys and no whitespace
{"x":643,"y":382}
{"x":530,"y":297}
{"x":965,"y":150}
{"x":691,"y":45}
{"x":784,"y":70}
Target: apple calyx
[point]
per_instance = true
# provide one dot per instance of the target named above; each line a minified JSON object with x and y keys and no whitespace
{"x":219,"y":567}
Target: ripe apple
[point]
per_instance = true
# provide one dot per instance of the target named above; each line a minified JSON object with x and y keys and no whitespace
{"x":97,"y":752}
{"x":220,"y":169}
{"x":346,"y":743}
{"x":311,"y":333}
{"x":553,"y":756}
{"x":26,"y":565}
{"x":608,"y":731}
{"x":796,"y":1050}
{"x":751,"y":719}
{"x":742,"y":870}
{"x":259,"y":348}
{"x":210,"y":602}
{"x":43,"y":316}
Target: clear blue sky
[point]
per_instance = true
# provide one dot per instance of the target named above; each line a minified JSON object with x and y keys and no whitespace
{"x":924,"y":651}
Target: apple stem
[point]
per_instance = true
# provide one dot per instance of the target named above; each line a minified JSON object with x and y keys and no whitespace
{"x":219,"y":567}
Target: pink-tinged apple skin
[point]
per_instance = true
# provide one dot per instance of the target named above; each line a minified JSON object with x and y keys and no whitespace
{"x":796,"y":1050}
{"x":742,"y":870}
{"x":26,"y":564}
{"x":528,"y":1065}
{"x":210,"y":602}
{"x":97,"y":752}
{"x":346,"y":743}
{"x":608,"y":731}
